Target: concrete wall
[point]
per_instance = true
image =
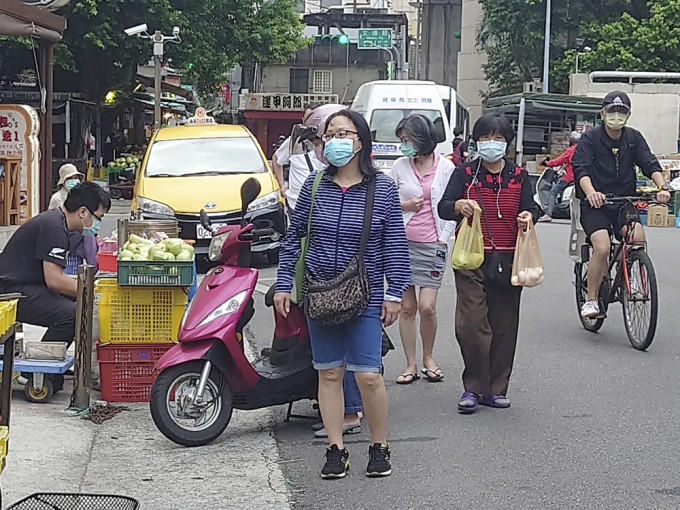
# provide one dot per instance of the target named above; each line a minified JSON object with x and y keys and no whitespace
{"x":351,"y":68}
{"x":439,"y":53}
{"x":471,"y":80}
{"x":655,"y":112}
{"x":345,"y":84}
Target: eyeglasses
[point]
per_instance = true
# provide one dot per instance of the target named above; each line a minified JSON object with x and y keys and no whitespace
{"x":95,"y":216}
{"x":340,"y":135}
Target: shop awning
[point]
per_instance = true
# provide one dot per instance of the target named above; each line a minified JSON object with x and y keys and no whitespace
{"x":543,"y":102}
{"x":166,"y":105}
{"x":166,"y":87}
{"x":18,"y":19}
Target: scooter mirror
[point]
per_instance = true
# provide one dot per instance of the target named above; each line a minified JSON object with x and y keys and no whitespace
{"x":249,"y":192}
{"x":205,"y":220}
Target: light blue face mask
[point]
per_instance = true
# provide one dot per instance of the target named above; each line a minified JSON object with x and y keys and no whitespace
{"x":339,"y":152}
{"x":491,"y":150}
{"x":408,"y":150}
{"x":71,"y":183}
{"x":93,"y":229}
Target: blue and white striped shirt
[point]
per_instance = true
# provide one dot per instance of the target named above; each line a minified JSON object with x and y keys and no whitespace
{"x":337,"y":219}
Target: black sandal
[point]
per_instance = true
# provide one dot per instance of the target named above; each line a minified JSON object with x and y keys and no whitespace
{"x":404,"y":377}
{"x":437,"y":377}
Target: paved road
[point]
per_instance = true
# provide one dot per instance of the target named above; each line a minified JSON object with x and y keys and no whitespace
{"x":593,"y":423}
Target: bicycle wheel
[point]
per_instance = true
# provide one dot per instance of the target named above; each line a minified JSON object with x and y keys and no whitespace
{"x":640,"y":300}
{"x":581,"y":285}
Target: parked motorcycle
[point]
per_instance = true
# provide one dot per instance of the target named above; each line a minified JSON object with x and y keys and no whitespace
{"x":207,"y":375}
{"x":542,"y":196}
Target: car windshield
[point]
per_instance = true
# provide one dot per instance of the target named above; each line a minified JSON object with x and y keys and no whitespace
{"x":201,"y":156}
{"x":384,"y":122}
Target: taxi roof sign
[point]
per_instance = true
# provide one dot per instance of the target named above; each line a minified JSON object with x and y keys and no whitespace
{"x":200,"y":118}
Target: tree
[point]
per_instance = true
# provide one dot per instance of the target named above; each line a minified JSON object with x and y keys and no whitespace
{"x":512,"y":35}
{"x":96,"y":56}
{"x":629,"y":44}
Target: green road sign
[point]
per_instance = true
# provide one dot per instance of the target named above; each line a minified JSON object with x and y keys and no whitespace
{"x":371,"y":38}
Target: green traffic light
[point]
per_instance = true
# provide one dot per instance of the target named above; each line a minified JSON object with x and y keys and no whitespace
{"x":343,"y":39}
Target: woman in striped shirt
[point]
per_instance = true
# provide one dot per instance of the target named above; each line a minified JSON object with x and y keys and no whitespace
{"x":487,"y":313}
{"x":337,"y":216}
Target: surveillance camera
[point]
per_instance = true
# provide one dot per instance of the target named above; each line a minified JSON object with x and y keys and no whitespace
{"x":587,"y":49}
{"x":138,"y":30}
{"x":175,"y":31}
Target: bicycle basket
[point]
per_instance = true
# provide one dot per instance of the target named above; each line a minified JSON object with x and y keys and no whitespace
{"x":54,"y":501}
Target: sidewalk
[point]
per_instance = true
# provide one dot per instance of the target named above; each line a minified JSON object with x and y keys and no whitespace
{"x":53,"y":451}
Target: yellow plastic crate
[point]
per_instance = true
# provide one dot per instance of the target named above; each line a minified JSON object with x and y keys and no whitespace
{"x":8,"y":314}
{"x":4,"y":439}
{"x":138,"y":315}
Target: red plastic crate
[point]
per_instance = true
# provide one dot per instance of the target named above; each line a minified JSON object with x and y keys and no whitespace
{"x":108,"y":262}
{"x":128,"y":371}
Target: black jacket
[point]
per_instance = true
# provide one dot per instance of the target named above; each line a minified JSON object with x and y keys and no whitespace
{"x":612,"y":170}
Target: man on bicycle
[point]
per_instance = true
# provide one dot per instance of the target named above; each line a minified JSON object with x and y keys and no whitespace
{"x":604,"y":163}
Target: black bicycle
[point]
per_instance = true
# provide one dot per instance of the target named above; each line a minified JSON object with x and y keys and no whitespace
{"x":633,"y":283}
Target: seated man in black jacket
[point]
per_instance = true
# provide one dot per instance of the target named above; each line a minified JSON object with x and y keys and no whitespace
{"x":604,"y":163}
{"x":33,"y":261}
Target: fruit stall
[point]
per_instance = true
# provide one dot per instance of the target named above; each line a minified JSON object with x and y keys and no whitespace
{"x":141,"y":295}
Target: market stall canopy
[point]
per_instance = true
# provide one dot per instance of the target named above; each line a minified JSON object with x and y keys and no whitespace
{"x":19,"y":19}
{"x":541,"y":102}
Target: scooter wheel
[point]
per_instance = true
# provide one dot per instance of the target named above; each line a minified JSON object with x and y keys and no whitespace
{"x":192,"y":428}
{"x":41,"y":396}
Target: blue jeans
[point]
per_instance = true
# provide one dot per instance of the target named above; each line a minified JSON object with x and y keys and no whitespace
{"x":353,"y":402}
{"x":555,"y":192}
{"x":356,"y":345}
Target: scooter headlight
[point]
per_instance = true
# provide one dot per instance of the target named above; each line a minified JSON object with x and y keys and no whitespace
{"x":216,"y":244}
{"x":231,"y":305}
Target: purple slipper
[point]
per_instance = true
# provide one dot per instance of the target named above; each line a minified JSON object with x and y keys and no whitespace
{"x":497,"y":401}
{"x":468,"y":403}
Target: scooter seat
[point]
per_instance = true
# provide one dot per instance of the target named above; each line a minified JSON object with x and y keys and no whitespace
{"x":269,"y":296}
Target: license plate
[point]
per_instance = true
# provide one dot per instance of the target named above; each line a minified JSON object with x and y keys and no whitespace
{"x":202,"y":233}
{"x":384,"y":164}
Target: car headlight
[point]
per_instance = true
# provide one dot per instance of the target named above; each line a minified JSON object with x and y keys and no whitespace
{"x":153,"y":207}
{"x":269,"y":200}
{"x":231,"y":305}
{"x":215,"y":249}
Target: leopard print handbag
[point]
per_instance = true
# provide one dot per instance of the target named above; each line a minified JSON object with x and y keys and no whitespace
{"x":346,"y":296}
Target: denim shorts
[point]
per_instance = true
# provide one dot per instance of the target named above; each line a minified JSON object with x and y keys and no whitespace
{"x":356,"y":345}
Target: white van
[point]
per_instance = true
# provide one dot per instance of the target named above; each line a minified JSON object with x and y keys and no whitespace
{"x":385,"y":103}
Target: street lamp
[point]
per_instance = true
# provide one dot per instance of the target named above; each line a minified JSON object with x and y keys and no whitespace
{"x":159,"y":41}
{"x":586,"y":50}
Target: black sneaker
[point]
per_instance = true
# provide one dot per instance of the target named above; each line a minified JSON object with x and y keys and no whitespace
{"x":337,"y":463}
{"x":378,"y":460}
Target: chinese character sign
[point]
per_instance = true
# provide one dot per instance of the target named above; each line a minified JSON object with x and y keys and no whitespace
{"x":19,"y":126}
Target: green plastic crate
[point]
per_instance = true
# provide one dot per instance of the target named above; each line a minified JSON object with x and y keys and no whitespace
{"x":156,"y":273}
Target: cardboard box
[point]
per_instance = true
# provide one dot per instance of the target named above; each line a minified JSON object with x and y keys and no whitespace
{"x":670,"y":221}
{"x":657,"y":216}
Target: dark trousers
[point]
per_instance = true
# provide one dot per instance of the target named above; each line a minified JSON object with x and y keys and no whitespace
{"x":487,"y":320}
{"x":43,"y":307}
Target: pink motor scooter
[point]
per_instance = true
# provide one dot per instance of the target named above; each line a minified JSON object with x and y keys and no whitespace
{"x":207,"y":375}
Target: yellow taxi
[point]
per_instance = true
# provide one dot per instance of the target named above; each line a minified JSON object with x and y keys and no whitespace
{"x":202,"y":165}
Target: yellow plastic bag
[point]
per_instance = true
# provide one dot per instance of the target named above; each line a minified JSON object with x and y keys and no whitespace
{"x":468,"y":251}
{"x":527,"y":268}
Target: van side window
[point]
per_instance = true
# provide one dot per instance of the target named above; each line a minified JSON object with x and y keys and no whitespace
{"x":384,"y":122}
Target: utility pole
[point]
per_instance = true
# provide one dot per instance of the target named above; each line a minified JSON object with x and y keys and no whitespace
{"x":157,"y":56}
{"x":546,"y":49}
